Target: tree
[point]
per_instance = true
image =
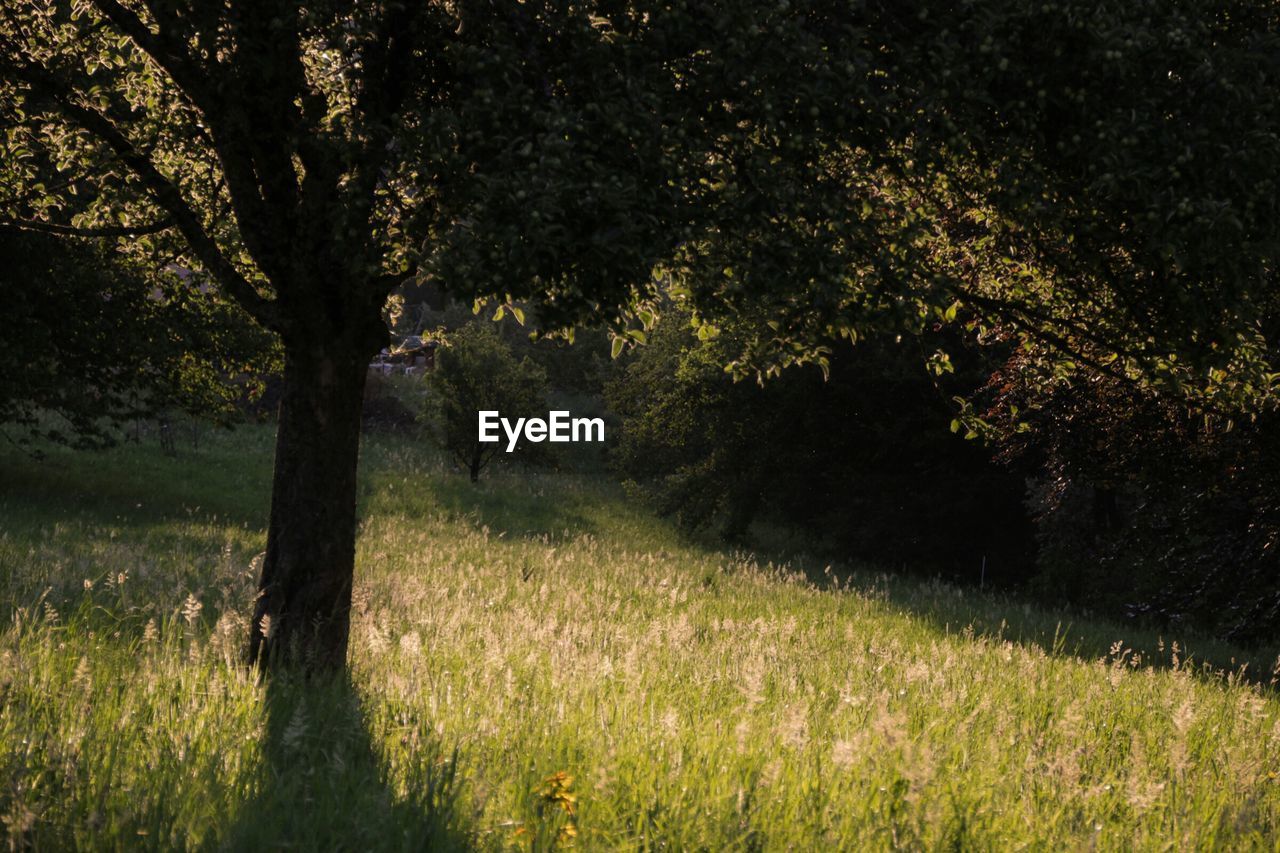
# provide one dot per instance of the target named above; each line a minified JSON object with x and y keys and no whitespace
{"x":861,"y":460}
{"x":476,"y":371}
{"x":91,"y":342}
{"x":839,"y":167}
{"x":1143,"y":508}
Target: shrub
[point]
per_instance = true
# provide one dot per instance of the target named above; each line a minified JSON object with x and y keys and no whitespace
{"x":476,"y":370}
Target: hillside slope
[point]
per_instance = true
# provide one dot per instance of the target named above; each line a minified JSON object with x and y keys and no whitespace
{"x":537,"y":663}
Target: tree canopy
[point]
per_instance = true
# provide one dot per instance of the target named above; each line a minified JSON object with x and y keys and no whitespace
{"x":1097,"y":175}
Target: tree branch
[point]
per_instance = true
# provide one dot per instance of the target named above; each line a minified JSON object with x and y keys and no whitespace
{"x":1038,"y":320}
{"x":44,"y":86}
{"x":233,"y":144}
{"x":165,"y":52}
{"x":1023,"y":319}
{"x":73,"y":231}
{"x":31,"y":193}
{"x":384,"y":85}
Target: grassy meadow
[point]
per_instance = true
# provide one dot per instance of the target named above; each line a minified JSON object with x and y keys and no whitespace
{"x":537,"y":662}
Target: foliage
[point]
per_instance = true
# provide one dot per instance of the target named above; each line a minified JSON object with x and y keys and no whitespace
{"x":475,"y":371}
{"x":887,"y":162}
{"x":861,"y":457}
{"x":394,"y":402}
{"x":1145,"y":509}
{"x":699,"y":699}
{"x":85,"y":340}
{"x":574,"y":367}
{"x":842,"y":169}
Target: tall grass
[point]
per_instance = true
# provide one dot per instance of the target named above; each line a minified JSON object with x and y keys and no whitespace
{"x":536,"y":663}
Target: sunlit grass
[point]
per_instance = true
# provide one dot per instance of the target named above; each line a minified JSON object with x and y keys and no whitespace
{"x":537,"y":663}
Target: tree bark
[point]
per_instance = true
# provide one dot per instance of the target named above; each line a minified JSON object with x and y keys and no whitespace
{"x":302,"y":613}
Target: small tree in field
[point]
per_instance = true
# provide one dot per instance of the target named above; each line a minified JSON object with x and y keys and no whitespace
{"x":476,"y":372}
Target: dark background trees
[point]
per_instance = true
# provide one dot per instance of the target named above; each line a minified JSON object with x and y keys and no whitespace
{"x":1145,"y":508}
{"x":861,"y":460}
{"x":91,"y":341}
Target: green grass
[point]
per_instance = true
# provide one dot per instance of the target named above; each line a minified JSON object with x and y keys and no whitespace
{"x":537,"y":662}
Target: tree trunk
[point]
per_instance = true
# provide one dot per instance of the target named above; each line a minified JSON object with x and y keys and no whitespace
{"x":302,"y":613}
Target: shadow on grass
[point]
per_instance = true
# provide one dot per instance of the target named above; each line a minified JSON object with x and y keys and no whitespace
{"x":519,"y":503}
{"x":126,"y":483}
{"x":1088,"y":637}
{"x":517,"y":514}
{"x":323,"y":786}
{"x":1001,"y":616}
